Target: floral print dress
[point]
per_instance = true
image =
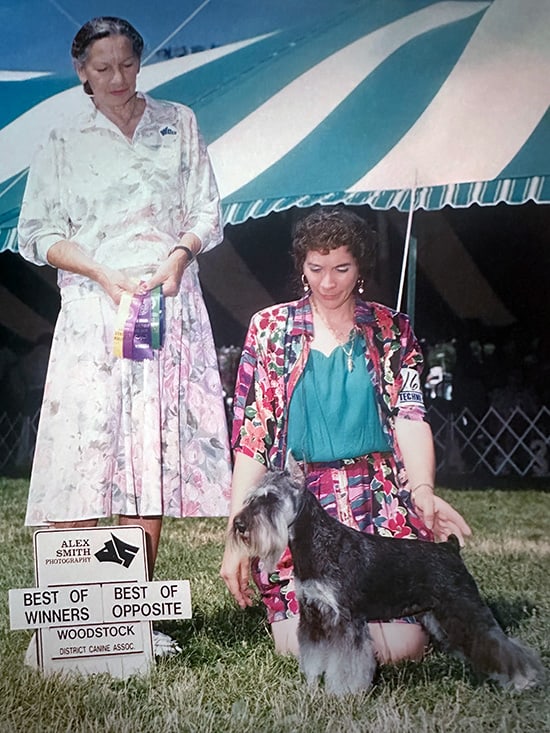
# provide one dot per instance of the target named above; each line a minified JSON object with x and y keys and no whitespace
{"x":118,"y":436}
{"x":368,"y":493}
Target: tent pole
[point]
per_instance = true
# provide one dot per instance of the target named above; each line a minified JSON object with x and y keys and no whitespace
{"x":411,"y":280}
{"x":406,"y":250}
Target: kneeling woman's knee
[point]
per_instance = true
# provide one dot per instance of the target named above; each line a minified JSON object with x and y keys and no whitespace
{"x":285,"y":636}
{"x":396,"y":641}
{"x":393,"y":642}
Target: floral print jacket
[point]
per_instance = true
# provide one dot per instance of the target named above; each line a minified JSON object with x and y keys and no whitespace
{"x":275,"y":353}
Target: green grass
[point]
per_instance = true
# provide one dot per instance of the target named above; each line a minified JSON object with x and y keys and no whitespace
{"x":228,"y":677}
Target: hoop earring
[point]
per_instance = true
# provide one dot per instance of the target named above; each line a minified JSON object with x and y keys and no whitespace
{"x":305,"y":284}
{"x":360,"y":286}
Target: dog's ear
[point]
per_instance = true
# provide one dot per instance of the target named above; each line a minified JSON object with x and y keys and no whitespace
{"x":294,"y":470}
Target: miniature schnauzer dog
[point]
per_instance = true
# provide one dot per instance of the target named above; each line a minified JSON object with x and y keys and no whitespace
{"x":345,"y":578}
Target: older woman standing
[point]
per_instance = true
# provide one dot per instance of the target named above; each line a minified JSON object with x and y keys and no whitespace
{"x":122,"y":201}
{"x":336,"y":381}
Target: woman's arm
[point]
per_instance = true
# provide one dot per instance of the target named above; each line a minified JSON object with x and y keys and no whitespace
{"x":67,"y":255}
{"x":170,"y":272}
{"x":235,"y":569}
{"x":203,"y":219}
{"x":204,"y":216}
{"x":417,"y":448}
{"x":44,"y":227}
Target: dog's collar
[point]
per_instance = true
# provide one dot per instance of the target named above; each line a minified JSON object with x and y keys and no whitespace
{"x":300,"y":508}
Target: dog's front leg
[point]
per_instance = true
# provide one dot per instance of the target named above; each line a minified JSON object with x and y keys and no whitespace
{"x":313,"y":646}
{"x":339,"y":650}
{"x":351,"y":662}
{"x":313,"y":659}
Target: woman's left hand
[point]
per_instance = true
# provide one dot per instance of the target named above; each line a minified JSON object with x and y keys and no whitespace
{"x":439,"y":516}
{"x":169,"y":274}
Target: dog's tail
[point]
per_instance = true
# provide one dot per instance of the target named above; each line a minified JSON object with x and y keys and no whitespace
{"x":486,"y":647}
{"x":507,"y":661}
{"x":452,"y":540}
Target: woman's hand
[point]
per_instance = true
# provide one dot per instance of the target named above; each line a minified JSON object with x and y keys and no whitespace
{"x":115,"y":283}
{"x":68,"y":255}
{"x":235,"y":572}
{"x":438,"y":515}
{"x":169,"y":273}
{"x":235,"y":569}
{"x":448,"y":521}
{"x":416,"y":443}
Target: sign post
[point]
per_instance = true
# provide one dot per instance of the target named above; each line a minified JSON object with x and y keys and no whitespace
{"x":93,"y":606}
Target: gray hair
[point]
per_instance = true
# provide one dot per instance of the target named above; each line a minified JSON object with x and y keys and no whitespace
{"x":103,"y":27}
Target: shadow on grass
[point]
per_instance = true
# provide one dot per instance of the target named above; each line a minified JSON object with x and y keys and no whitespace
{"x":232,"y":634}
{"x":229,"y":631}
{"x":510,"y":612}
{"x":231,"y":626}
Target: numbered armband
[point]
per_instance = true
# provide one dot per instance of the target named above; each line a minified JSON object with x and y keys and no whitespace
{"x":411,"y":391}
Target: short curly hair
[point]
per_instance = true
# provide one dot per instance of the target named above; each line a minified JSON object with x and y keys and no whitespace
{"x":329,"y":228}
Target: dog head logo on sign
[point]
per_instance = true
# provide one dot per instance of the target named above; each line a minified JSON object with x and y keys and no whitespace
{"x":117,"y":551}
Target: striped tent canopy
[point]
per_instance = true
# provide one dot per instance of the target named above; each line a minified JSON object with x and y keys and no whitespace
{"x":390,"y":103}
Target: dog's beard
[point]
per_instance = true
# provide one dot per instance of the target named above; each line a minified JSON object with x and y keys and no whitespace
{"x":265,"y":538}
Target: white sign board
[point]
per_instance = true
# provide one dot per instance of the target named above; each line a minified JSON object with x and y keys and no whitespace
{"x":32,"y":608}
{"x":93,"y":606}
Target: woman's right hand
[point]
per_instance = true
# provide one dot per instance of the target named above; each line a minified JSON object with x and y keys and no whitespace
{"x":235,"y":569}
{"x":235,"y":572}
{"x":115,"y":283}
{"x":68,"y":255}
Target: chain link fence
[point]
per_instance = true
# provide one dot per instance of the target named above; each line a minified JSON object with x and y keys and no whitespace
{"x":17,"y":439}
{"x":494,"y":444}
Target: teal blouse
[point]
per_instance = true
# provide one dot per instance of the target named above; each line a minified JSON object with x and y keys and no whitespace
{"x":332,"y":413}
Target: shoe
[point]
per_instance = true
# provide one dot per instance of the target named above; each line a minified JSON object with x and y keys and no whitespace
{"x":31,"y":655}
{"x":164,"y":645}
